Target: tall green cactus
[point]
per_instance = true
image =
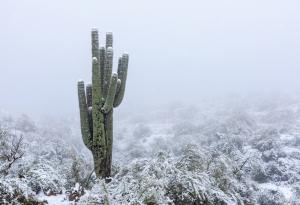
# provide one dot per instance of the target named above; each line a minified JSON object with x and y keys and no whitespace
{"x":96,"y":103}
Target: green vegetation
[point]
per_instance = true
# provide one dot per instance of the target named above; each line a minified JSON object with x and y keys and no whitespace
{"x":97,"y":100}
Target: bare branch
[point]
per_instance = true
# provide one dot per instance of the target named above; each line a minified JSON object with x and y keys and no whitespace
{"x":10,"y":152}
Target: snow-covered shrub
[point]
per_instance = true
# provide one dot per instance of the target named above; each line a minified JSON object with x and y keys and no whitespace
{"x":166,"y":178}
{"x":46,"y":166}
{"x":45,"y":178}
{"x":216,"y":155}
{"x":258,"y":172}
{"x":271,"y":196}
{"x":230,"y":145}
{"x":11,"y":150}
{"x":272,"y":155}
{"x":15,"y":191}
{"x":180,"y":194}
{"x":267,"y":140}
{"x":193,"y":159}
{"x":295,"y":195}
{"x":275,"y":172}
{"x":79,"y":173}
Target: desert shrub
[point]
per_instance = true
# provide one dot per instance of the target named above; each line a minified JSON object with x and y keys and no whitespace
{"x":44,"y":178}
{"x":274,"y":197}
{"x":275,"y":172}
{"x":13,"y":191}
{"x":219,"y":172}
{"x":230,"y":145}
{"x":273,"y":155}
{"x":295,"y":195}
{"x":258,"y":173}
{"x":79,"y":173}
{"x":192,"y":159}
{"x":181,"y":195}
{"x":267,"y":139}
{"x":11,"y":150}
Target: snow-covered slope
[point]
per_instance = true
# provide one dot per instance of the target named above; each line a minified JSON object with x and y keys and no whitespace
{"x":234,"y":151}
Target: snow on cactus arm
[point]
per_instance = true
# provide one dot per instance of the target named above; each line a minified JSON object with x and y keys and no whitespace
{"x":111,"y":93}
{"x":122,"y":73}
{"x":85,"y":131}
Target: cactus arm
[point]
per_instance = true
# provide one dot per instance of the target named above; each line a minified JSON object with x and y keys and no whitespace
{"x":119,"y":66}
{"x":85,"y":131}
{"x":108,"y":69}
{"x":96,"y":80}
{"x":96,"y":71}
{"x":90,"y":119}
{"x":102,"y":66}
{"x":89,"y":95}
{"x":95,"y":44}
{"x":111,"y":94}
{"x":109,"y":39}
{"x":123,"y":76}
{"x":89,"y":101}
{"x":118,"y":85}
{"x":119,"y":75}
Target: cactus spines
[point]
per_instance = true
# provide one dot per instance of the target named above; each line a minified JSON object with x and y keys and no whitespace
{"x":97,"y":100}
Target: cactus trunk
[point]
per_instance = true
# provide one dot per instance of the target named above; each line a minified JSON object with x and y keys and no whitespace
{"x":97,"y":101}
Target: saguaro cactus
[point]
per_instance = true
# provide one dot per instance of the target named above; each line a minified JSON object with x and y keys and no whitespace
{"x":97,"y":100}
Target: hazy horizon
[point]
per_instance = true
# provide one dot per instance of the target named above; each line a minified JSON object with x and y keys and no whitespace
{"x":179,"y":51}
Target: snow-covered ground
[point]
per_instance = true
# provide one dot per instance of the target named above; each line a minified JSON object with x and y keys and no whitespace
{"x":233,"y":151}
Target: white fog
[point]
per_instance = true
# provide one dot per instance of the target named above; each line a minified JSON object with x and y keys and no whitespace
{"x":210,"y":113}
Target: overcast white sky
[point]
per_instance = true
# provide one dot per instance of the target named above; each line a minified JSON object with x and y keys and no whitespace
{"x":178,"y":49}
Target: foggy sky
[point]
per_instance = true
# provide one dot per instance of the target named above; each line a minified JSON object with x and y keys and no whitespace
{"x":179,"y":50}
